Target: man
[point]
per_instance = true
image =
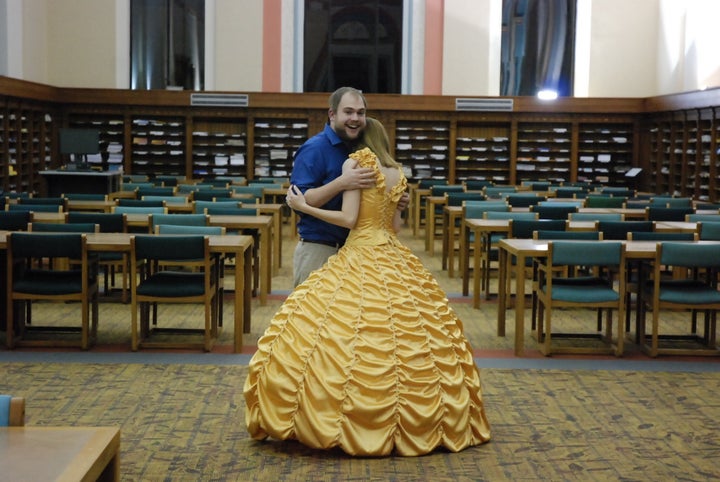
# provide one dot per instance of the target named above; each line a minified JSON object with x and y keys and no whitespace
{"x":317,"y":172}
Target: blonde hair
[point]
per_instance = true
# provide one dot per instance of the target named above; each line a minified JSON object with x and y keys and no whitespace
{"x":376,"y":139}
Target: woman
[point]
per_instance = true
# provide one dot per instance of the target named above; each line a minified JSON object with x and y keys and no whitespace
{"x":366,"y":354}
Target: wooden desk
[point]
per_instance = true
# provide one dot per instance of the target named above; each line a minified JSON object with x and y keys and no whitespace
{"x":263,"y":224}
{"x":528,"y":248}
{"x":220,"y":244}
{"x":60,"y":453}
{"x":484,"y":227}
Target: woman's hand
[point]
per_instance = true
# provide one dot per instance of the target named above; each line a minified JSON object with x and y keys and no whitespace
{"x":295,"y":198}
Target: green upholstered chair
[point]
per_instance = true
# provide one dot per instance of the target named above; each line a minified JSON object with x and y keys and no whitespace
{"x":524,"y":199}
{"x":153,"y":285}
{"x":31,"y":279}
{"x":82,"y":196}
{"x":110,"y":262}
{"x":145,"y":203}
{"x":589,"y":282}
{"x":14,"y":220}
{"x":692,"y":287}
{"x":200,"y":206}
{"x":702,"y":217}
{"x":618,"y":230}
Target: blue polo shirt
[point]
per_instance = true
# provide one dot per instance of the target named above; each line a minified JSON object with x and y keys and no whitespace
{"x":317,"y":162}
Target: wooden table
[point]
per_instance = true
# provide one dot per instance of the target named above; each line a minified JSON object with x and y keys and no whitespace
{"x":484,"y":227}
{"x":528,"y":248}
{"x":416,"y":202}
{"x":264,"y":225}
{"x":90,"y":205}
{"x":239,"y":246}
{"x":59,"y":453}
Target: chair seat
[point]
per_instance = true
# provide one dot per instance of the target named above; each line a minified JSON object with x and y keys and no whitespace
{"x":688,"y":291}
{"x":49,"y":282}
{"x":584,"y":290}
{"x":172,"y":284}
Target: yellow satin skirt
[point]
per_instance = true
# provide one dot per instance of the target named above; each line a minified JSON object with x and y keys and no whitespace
{"x":367,"y":356}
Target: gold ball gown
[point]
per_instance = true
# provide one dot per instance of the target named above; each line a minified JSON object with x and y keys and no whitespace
{"x":366,"y":355}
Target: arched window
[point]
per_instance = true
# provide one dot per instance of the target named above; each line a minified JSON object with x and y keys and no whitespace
{"x":352,"y":42}
{"x":167,"y":44}
{"x":538,"y":47}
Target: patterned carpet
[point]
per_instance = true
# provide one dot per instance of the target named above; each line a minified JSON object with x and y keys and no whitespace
{"x":185,"y":423}
{"x":559,"y":418}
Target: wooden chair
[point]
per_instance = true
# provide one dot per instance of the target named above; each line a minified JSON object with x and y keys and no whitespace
{"x":152,"y":285}
{"x":29,"y":280}
{"x":12,"y":411}
{"x":616,"y":202}
{"x":656,"y":213}
{"x":692,"y":287}
{"x":109,"y":262}
{"x":577,"y":288}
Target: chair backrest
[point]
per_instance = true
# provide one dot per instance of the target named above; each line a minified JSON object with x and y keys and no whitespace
{"x":139,"y":210}
{"x":63,"y":228}
{"x":476,"y":184}
{"x":702,"y":217}
{"x":178,"y":220}
{"x":211,"y":194}
{"x":134,"y":186}
{"x":616,"y":230}
{"x":709,"y":231}
{"x":254,"y":191}
{"x":429,"y":183}
{"x":181,"y":229}
{"x":170,"y":248}
{"x":441,"y":190}
{"x":82,"y":196}
{"x":168,"y":200}
{"x":498,"y":191}
{"x":597,"y":217}
{"x":135,"y":178}
{"x":231,"y":210}
{"x":592,"y":201}
{"x":661,"y":236}
{"x":12,"y":411}
{"x":547,"y":211}
{"x":156,"y":191}
{"x":578,"y":235}
{"x":457,"y":198}
{"x":655,"y":213}
{"x":57,"y":201}
{"x":510,"y":215}
{"x":107,"y":222}
{"x":524,"y":200}
{"x":141,"y":202}
{"x":671,"y":202}
{"x":689,"y":255}
{"x":618,"y":191}
{"x":168,"y":181}
{"x":46,"y":245}
{"x":477,"y":209}
{"x":200,"y":206}
{"x":586,"y":253}
{"x":524,"y":228}
{"x":40,"y":208}
{"x":540,"y":186}
{"x":569,"y":192}
{"x":14,"y":220}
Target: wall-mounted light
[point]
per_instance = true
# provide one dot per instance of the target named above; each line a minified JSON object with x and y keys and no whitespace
{"x":547,"y":94}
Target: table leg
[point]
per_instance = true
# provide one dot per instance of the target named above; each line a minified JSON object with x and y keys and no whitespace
{"x":502,"y":288}
{"x":477,"y":246}
{"x":519,"y":304}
